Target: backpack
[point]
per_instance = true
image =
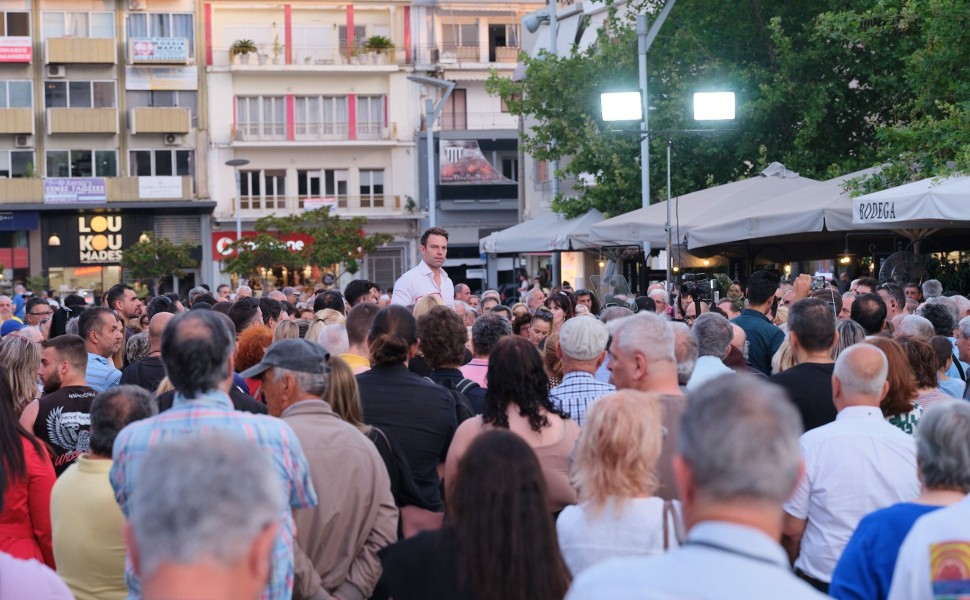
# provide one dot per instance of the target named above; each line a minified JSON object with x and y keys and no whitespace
{"x":463,"y":408}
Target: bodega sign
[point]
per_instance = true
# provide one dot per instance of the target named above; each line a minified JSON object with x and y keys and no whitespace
{"x":873,"y":212}
{"x":100,"y":239}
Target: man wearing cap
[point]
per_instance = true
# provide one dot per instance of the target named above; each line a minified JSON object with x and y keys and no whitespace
{"x":338,"y":541}
{"x":292,"y":295}
{"x":10,"y":326}
{"x":582,"y":349}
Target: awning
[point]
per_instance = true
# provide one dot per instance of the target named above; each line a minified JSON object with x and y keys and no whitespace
{"x":698,"y":208}
{"x":544,"y":233}
{"x":931,"y":202}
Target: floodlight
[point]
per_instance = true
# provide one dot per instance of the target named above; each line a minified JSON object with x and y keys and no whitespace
{"x":713,"y":106}
{"x":533,"y":21}
{"x":621,"y":106}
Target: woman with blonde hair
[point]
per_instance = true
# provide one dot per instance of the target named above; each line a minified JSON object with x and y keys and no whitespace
{"x":321,"y":319}
{"x":286,"y":330}
{"x":551,"y":360}
{"x":425,"y":303}
{"x":20,"y":358}
{"x":615,"y":472}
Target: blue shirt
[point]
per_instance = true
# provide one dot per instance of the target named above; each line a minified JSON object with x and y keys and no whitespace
{"x":213,"y":411}
{"x":763,"y":339}
{"x":865,"y":569}
{"x":577,"y":391}
{"x":101,"y":374}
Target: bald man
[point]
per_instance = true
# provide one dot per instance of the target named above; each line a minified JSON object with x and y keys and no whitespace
{"x":149,"y":371}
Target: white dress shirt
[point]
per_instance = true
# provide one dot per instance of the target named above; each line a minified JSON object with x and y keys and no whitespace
{"x":705,"y":369}
{"x":932,"y":561}
{"x":418,"y":282}
{"x":855,"y":465}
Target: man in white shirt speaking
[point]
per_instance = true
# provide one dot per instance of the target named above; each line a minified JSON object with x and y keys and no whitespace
{"x":428,"y":277}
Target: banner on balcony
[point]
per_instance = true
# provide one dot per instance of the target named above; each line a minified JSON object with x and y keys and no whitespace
{"x":74,"y":190}
{"x":157,"y":50}
{"x":15,"y":49}
{"x":461,"y":162}
{"x":162,"y":78}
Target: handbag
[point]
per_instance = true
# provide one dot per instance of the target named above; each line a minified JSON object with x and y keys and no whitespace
{"x":672,"y":513}
{"x":414,"y":519}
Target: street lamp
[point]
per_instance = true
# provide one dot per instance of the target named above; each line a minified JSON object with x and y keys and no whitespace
{"x":431,"y":112}
{"x":235,"y":163}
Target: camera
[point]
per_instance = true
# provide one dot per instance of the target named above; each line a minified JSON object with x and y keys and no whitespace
{"x":699,"y":287}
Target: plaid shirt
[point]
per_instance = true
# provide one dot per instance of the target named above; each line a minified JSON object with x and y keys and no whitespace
{"x":211,"y":412}
{"x":101,"y":374}
{"x":576,"y":392}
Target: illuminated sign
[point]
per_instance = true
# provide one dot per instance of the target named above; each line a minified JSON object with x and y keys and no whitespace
{"x":100,"y":239}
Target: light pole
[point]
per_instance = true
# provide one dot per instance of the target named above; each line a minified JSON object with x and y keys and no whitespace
{"x":235,"y":163}
{"x":431,"y":112}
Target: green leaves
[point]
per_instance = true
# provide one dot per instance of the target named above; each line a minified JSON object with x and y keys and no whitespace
{"x":157,"y":259}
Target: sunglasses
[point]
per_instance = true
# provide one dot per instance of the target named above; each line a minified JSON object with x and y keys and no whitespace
{"x":544,"y":313}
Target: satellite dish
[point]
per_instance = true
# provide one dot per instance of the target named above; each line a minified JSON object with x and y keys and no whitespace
{"x":903,"y":268}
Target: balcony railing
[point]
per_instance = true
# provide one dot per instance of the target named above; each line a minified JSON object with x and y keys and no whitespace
{"x":82,"y":120}
{"x":379,"y":204}
{"x":80,"y":50}
{"x":315,"y":132}
{"x":159,"y":120}
{"x":444,"y":54}
{"x":117,"y":189}
{"x":17,"y":120}
{"x":452,"y":121}
{"x":316,"y":56}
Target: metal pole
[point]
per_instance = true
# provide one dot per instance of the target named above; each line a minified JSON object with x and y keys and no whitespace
{"x":645,"y":124}
{"x":554,"y":187}
{"x":670,"y":282}
{"x":238,"y":204}
{"x":432,"y":193}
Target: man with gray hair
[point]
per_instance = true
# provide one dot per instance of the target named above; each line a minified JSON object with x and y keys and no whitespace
{"x":642,"y":358}
{"x":87,"y":525}
{"x":333,"y":338}
{"x":582,"y":349}
{"x":338,"y":541}
{"x":661,"y":299}
{"x":685,"y":352}
{"x":244,"y":291}
{"x":713,"y":334}
{"x":737,"y":461}
{"x":486,"y":332}
{"x":932,"y":288}
{"x":204,"y":519}
{"x":463,"y":292}
{"x":197,"y":350}
{"x":865,"y":569}
{"x":914,"y":326}
{"x":853,"y":466}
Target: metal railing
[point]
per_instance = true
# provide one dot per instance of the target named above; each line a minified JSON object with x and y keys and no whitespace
{"x":456,"y":121}
{"x":446,"y":54}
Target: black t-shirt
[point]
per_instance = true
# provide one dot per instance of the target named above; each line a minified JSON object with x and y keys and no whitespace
{"x":422,"y":567}
{"x":418,"y":415}
{"x":809,"y":385}
{"x":64,"y":424}
{"x":146,"y":373}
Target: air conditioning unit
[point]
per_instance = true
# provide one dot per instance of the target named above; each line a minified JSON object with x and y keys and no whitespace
{"x":172,"y":139}
{"x":23,"y":141}
{"x":56,"y":71}
{"x":136,"y":4}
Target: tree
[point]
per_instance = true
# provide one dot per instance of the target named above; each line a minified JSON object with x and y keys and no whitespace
{"x":335,"y":242}
{"x":157,"y":259}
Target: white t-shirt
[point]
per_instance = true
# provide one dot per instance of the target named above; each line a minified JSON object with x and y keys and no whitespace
{"x":637,"y":530}
{"x":934,"y":560}
{"x":855,"y":465}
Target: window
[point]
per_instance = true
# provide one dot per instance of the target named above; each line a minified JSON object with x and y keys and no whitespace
{"x":360,"y":37}
{"x":328,"y":183}
{"x":79,"y":94}
{"x":15,"y":24}
{"x":371,"y":188}
{"x":16,"y":94}
{"x":163,"y":25}
{"x":457,"y":35}
{"x":16,"y":163}
{"x":384,"y":265}
{"x":82,"y":163}
{"x":321,"y":117}
{"x":149,"y":163}
{"x":78,"y":24}
{"x":265,"y":189}
{"x":454,"y":115}
{"x":165,"y":99}
{"x":510,"y":168}
{"x":261,"y":118}
{"x":370,"y":116}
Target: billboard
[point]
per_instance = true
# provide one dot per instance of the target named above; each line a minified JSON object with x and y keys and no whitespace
{"x":74,"y":190}
{"x":461,"y":162}
{"x":15,"y":49}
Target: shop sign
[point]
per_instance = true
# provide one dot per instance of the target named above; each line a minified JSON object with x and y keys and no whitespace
{"x":160,"y":187}
{"x":149,"y":50}
{"x":15,"y":49}
{"x":295,"y":242}
{"x":162,"y":78}
{"x":100,"y":239}
{"x":74,"y":190}
{"x":317,"y":203}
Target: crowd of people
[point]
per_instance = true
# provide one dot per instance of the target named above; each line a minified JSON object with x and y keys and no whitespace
{"x":786,"y":440}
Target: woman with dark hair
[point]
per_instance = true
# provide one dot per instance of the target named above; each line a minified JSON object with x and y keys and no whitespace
{"x":417,"y":414}
{"x":499,"y":543}
{"x":28,"y":476}
{"x":541,"y":326}
{"x":922,"y":359}
{"x":899,"y":407}
{"x":562,"y":306}
{"x":522,"y":326}
{"x":517,"y":399}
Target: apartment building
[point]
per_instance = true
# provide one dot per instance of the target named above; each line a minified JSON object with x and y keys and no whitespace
{"x":100,"y":131}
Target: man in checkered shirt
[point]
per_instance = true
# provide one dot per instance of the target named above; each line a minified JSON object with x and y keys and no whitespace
{"x":582,"y":349}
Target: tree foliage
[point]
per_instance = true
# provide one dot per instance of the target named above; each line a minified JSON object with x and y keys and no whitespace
{"x":335,"y":242}
{"x":157,"y":259}
{"x":824,"y":86}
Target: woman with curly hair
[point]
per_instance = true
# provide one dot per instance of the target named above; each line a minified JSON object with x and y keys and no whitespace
{"x":20,"y":358}
{"x":562,"y":306}
{"x":499,"y":542}
{"x":899,"y":407}
{"x":518,"y":400}
{"x":252,"y":344}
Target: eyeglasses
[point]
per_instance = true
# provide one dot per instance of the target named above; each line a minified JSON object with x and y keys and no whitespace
{"x":41,"y":314}
{"x":689,"y":319}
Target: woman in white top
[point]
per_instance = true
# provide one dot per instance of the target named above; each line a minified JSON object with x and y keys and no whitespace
{"x":615,"y":473}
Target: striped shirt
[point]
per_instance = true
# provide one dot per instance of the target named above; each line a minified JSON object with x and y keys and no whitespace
{"x":576,"y":392}
{"x":101,"y":374}
{"x":209,"y":412}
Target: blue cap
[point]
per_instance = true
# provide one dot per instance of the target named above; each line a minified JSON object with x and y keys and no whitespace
{"x":10,"y":326}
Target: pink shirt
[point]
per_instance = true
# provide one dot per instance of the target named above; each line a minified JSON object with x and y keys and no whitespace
{"x":476,"y":370}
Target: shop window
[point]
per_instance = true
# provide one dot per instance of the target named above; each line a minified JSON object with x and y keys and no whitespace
{"x":82,"y":163}
{"x":161,"y":163}
{"x":79,"y":94}
{"x":58,"y":24}
{"x":16,"y":163}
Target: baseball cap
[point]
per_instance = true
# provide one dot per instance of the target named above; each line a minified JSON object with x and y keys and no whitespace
{"x":287,"y":291}
{"x":583,"y":338}
{"x":10,"y":326}
{"x":292,"y":355}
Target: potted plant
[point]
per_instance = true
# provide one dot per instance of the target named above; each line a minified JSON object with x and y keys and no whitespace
{"x":241,"y":48}
{"x":277,"y":49}
{"x":379,"y":45}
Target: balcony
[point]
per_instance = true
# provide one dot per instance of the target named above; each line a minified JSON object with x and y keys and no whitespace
{"x":471,"y":55}
{"x":315,"y":58}
{"x":82,"y":120}
{"x":80,"y":51}
{"x":159,"y":120}
{"x":381,"y":206}
{"x":17,"y":120}
{"x":117,"y":189}
{"x":457,"y":121}
{"x":316,"y":134}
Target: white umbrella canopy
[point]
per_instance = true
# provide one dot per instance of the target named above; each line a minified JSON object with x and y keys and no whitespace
{"x":544,"y":233}
{"x":698,"y":208}
{"x":931,"y":203}
{"x":800,"y":211}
